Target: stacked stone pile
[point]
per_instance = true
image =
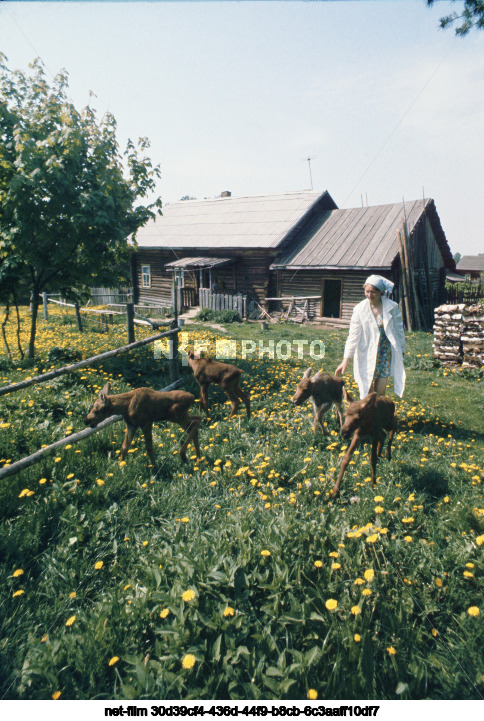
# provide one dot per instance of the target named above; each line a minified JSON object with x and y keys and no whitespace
{"x":459,"y":335}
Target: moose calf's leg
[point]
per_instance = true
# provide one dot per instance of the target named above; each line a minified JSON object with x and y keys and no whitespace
{"x":245,"y":397}
{"x":204,"y":396}
{"x":148,"y":434}
{"x":389,"y":444}
{"x":128,"y":439}
{"x":339,"y":408}
{"x":346,"y":460}
{"x":190,"y":424}
{"x":233,"y":397}
{"x":318,"y":418}
{"x":375,"y":442}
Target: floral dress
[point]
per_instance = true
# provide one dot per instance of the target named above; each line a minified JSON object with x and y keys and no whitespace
{"x":384,"y":353}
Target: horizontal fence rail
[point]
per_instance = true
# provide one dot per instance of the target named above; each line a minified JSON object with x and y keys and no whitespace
{"x":85,"y":363}
{"x":14,"y":468}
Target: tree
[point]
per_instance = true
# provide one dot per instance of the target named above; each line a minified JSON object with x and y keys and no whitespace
{"x":457,"y":257}
{"x":472,"y":16}
{"x":68,"y":199}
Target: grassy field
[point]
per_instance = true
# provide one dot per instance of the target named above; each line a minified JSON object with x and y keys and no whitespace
{"x":235,"y":576}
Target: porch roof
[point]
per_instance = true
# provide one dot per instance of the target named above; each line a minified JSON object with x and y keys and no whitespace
{"x":192,"y":263}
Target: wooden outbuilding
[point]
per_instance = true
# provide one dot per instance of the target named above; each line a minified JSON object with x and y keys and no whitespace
{"x":339,"y":251}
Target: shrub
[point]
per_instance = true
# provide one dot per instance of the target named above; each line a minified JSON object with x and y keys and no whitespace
{"x":218,"y":316}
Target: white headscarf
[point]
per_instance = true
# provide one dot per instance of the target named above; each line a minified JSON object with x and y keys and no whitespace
{"x":378,"y":281}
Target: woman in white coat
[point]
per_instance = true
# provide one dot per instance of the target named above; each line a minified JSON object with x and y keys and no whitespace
{"x":376,"y":340}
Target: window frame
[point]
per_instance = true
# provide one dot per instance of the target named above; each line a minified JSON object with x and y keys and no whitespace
{"x":146,"y":276}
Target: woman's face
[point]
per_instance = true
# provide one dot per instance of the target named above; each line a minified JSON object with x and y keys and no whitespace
{"x":372,"y":293}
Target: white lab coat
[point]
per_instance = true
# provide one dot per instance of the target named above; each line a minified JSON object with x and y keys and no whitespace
{"x":362,"y":344}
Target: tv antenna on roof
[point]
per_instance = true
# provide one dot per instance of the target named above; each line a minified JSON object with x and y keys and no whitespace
{"x":308,"y":159}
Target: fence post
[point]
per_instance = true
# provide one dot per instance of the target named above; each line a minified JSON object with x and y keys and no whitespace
{"x":173,"y":354}
{"x":130,"y":322}
{"x":44,"y":300}
{"x":78,"y":316}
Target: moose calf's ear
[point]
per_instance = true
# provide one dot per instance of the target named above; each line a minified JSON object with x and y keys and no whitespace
{"x":307,"y":372}
{"x":105,"y":391}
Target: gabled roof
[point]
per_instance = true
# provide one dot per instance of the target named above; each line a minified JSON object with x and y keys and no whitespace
{"x":229,"y":222}
{"x":361,"y":237}
{"x":471,"y":262}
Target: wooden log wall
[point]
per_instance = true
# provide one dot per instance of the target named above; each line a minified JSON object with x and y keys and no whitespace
{"x":459,"y":335}
{"x":249,"y":274}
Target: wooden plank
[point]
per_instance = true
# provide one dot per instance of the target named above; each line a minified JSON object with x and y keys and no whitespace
{"x":83,"y":364}
{"x":13,"y":468}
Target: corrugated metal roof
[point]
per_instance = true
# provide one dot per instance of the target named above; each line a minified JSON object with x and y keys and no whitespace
{"x":252,"y":222}
{"x":471,"y":262}
{"x":354,"y":238}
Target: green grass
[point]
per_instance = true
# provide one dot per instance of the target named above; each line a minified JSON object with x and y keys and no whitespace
{"x":258,"y":624}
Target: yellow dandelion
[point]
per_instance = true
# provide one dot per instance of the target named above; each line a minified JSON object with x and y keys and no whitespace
{"x":185,"y":519}
{"x":113,"y":660}
{"x":312,"y":694}
{"x":408,"y":520}
{"x":19,"y":592}
{"x":229,"y":611}
{"x":188,"y":595}
{"x":357,"y":637}
{"x":379,"y":509}
{"x":70,"y":620}
{"x":17,"y":573}
{"x":44,"y":638}
{"x":318,"y":564}
{"x":164,"y":613}
{"x":473,"y":611}
{"x":369,"y":574}
{"x":331,"y":604}
{"x":265,"y":553}
{"x":366,"y":592}
{"x":355,"y":610}
{"x":480,"y":540}
{"x":408,"y":539}
{"x":188,"y":661}
{"x":98,"y":565}
{"x":359,"y":582}
{"x":391,"y":650}
{"x":72,"y":594}
{"x":438,"y":582}
{"x":373,"y":538}
{"x":378,"y":499}
{"x":56,"y":695}
{"x":435,"y":633}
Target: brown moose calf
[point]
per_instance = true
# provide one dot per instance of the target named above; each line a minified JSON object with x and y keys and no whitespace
{"x":323,"y":390}
{"x":206,"y":371}
{"x":140,"y":408}
{"x":371,"y":416}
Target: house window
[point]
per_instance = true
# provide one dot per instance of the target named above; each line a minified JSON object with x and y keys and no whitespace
{"x":146,"y":276}
{"x":179,"y":277}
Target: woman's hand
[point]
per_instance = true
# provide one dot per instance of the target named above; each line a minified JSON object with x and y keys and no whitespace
{"x":342,"y":367}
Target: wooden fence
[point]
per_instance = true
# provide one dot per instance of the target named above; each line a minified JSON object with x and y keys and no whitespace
{"x":36,"y":457}
{"x":104,"y":296}
{"x":223,"y":301}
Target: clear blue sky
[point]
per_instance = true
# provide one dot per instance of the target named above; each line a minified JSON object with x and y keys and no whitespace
{"x":235,"y":95}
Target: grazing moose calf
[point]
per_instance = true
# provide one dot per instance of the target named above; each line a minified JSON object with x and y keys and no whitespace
{"x":371,"y":416}
{"x":206,"y":371}
{"x":140,"y":408}
{"x":323,"y":390}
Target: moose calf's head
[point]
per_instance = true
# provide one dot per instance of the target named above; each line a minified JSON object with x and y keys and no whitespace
{"x":304,"y":388}
{"x":359,"y":415}
{"x":101,"y":409}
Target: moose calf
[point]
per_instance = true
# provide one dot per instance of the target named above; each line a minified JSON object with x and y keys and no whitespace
{"x":140,"y":408}
{"x":371,"y":416}
{"x":323,"y":390}
{"x":206,"y":371}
